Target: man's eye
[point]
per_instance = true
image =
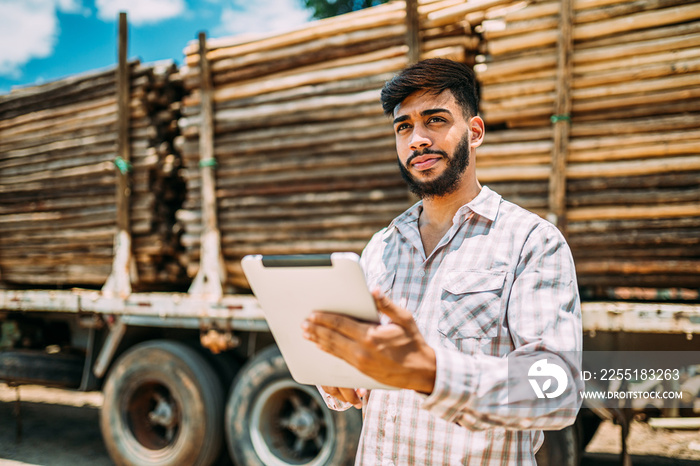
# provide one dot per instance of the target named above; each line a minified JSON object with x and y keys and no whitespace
{"x":401,"y":127}
{"x":435,"y":120}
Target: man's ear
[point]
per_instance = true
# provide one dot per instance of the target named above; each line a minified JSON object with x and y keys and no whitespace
{"x":477,"y":128}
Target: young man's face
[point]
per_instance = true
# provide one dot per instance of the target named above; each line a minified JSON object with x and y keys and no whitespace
{"x":433,"y":142}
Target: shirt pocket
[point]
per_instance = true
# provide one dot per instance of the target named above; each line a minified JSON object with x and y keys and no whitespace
{"x":470,"y":306}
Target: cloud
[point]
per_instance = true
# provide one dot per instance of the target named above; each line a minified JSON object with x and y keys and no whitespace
{"x":72,"y":6}
{"x":29,"y":29}
{"x":261,"y":16}
{"x":140,"y":11}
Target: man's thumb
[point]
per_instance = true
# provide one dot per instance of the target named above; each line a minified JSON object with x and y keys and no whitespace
{"x":390,"y":309}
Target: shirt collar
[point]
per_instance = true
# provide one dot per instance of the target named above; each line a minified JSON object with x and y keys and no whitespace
{"x":485,"y":204}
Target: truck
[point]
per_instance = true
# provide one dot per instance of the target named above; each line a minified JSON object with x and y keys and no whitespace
{"x":182,"y":376}
{"x":128,"y":197}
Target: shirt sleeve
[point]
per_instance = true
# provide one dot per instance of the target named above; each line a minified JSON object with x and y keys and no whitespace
{"x":543,"y":314}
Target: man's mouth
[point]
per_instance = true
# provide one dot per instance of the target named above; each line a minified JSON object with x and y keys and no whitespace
{"x":425,"y":162}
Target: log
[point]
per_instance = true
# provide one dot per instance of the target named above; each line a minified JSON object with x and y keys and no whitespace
{"x":562,"y":111}
{"x":627,"y":126}
{"x":68,"y":152}
{"x":654,"y":149}
{"x":513,"y":173}
{"x":631,"y":197}
{"x":683,"y":81}
{"x":642,"y":20}
{"x":666,"y":180}
{"x":681,"y":50}
{"x":330,"y":57}
{"x":515,"y":28}
{"x":597,"y":29}
{"x":679,"y":100}
{"x":637,"y":252}
{"x":499,"y":71}
{"x":634,"y":167}
{"x":509,"y":149}
{"x":267,"y":112}
{"x":675,"y":30}
{"x":596,"y":59}
{"x":55,"y":112}
{"x":639,"y":267}
{"x":274,"y":148}
{"x":634,"y":212}
{"x":586,"y":228}
{"x":520,"y":88}
{"x":676,"y":107}
{"x":634,"y":139}
{"x":313,"y":77}
{"x":623,"y":9}
{"x":638,"y":72}
{"x":300,"y":93}
{"x":64,"y":149}
{"x":458,"y":12}
{"x":361,"y":20}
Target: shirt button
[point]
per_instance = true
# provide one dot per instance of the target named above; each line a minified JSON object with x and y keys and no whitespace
{"x":421,"y":274}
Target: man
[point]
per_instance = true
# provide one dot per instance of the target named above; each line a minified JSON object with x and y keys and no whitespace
{"x":470,"y":287}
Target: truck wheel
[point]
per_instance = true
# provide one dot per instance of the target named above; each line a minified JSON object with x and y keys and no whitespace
{"x":560,"y":448}
{"x":273,"y":421}
{"x":163,"y":404}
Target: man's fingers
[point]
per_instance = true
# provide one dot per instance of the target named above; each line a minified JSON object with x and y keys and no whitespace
{"x":328,"y":339}
{"x":348,"y":395}
{"x":346,"y":326}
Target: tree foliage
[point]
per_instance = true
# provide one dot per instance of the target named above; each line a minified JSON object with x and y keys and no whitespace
{"x":328,"y":8}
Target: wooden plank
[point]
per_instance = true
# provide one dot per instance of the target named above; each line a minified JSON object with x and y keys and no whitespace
{"x":211,"y":274}
{"x":123,"y":152}
{"x":412,"y":31}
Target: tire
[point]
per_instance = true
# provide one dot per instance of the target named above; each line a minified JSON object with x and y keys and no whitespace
{"x":273,"y":421}
{"x":38,"y":367}
{"x":560,"y":448}
{"x":163,"y":405}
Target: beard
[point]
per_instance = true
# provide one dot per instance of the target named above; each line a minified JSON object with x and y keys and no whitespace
{"x":448,"y":181}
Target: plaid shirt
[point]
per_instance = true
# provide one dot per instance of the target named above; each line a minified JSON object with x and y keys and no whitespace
{"x":500,"y":284}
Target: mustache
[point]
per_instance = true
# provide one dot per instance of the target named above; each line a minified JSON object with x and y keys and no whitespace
{"x":418,"y":153}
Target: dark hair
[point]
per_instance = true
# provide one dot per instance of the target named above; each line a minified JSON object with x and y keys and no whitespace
{"x":433,"y":75}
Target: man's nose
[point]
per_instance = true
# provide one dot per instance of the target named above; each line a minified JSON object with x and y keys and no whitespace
{"x":419,"y":140}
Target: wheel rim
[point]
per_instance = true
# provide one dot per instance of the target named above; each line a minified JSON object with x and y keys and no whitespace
{"x":289,"y":425}
{"x":152,"y":415}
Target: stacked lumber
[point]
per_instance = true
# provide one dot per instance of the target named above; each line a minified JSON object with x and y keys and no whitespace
{"x":633,"y":164}
{"x":305,"y":157}
{"x":58,"y":177}
{"x":157,"y":190}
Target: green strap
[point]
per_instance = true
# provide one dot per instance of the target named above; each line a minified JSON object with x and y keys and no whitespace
{"x":558,"y":118}
{"x":211,"y":162}
{"x":122,"y":165}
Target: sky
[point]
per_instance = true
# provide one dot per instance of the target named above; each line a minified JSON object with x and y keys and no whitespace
{"x":45,"y":40}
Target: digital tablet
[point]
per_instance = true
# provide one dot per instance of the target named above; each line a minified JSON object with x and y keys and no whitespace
{"x":289,"y":288}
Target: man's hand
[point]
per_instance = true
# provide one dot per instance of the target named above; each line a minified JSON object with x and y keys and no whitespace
{"x":395,"y":354}
{"x":347,"y":395}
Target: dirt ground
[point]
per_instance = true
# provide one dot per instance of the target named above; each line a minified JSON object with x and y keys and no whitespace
{"x":644,"y":440}
{"x":57,"y":428}
{"x":61,"y":428}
